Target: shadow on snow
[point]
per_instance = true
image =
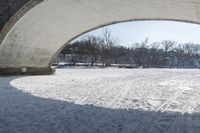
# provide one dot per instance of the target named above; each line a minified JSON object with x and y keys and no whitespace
{"x":23,"y":113}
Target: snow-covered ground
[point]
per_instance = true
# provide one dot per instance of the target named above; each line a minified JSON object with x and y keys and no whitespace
{"x":102,"y":101}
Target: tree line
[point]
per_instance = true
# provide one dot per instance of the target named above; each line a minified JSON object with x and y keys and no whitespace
{"x":106,"y":50}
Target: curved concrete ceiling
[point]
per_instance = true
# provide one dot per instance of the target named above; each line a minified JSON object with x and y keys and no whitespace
{"x":37,"y":37}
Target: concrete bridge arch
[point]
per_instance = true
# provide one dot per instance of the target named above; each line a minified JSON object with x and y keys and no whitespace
{"x":38,"y":31}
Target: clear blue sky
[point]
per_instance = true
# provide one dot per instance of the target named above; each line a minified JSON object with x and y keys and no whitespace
{"x":137,"y":31}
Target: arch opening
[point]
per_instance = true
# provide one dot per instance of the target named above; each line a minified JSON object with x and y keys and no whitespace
{"x":147,"y":44}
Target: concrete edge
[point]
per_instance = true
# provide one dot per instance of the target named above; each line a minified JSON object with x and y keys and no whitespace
{"x":26,"y":71}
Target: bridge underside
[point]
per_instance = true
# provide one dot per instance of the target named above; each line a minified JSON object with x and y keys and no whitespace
{"x":42,"y":28}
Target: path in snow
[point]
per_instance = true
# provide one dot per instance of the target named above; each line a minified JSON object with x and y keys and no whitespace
{"x":102,"y":101}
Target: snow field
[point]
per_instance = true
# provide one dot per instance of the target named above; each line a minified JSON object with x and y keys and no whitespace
{"x":102,"y":100}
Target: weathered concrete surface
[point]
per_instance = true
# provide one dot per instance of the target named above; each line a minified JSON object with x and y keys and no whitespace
{"x":16,"y":10}
{"x":43,"y":31}
{"x":8,"y":8}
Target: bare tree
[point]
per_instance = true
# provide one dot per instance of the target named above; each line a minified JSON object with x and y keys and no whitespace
{"x":196,"y":49}
{"x":168,"y":45}
{"x":140,"y":52}
{"x":108,"y":43}
{"x":155,"y":45}
{"x":154,"y":54}
{"x":180,"y":52}
{"x":92,"y":44}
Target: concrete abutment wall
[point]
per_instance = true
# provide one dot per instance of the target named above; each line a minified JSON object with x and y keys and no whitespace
{"x":26,"y":71}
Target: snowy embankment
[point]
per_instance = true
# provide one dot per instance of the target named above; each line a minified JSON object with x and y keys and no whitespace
{"x":102,"y":100}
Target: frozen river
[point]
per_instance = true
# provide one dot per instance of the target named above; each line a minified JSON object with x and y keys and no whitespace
{"x":102,"y":101}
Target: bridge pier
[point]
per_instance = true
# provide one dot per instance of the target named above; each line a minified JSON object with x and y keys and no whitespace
{"x":41,"y":28}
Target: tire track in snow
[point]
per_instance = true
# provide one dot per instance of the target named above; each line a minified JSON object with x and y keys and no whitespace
{"x":154,"y":118}
{"x":180,"y":123}
{"x":188,"y":109}
{"x":166,"y":104}
{"x":123,"y":93}
{"x":119,"y":97}
{"x":175,"y":126}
